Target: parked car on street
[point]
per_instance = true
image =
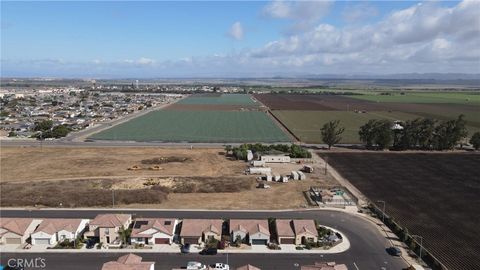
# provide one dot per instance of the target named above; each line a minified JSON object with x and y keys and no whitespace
{"x":221,"y":266}
{"x":394,"y":251}
{"x":196,"y":266}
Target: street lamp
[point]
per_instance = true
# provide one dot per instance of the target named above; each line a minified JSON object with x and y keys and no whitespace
{"x":383,"y":211}
{"x":421,"y":244}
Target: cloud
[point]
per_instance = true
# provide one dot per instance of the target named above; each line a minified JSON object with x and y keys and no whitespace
{"x":142,"y":61}
{"x":422,"y":33}
{"x":359,"y":12}
{"x":236,"y":31}
{"x":145,"y":61}
{"x":419,"y":38}
{"x":304,"y":14}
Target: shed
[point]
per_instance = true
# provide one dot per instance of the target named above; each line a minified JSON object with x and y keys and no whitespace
{"x":249,"y":155}
{"x":301,"y":176}
{"x":294,"y":175}
{"x":284,"y":179}
{"x":260,"y":170}
{"x":277,"y":177}
{"x":258,"y":163}
{"x":268,"y":177}
{"x":275,"y":159}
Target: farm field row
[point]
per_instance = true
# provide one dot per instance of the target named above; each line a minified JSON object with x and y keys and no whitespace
{"x":197,"y":126}
{"x":306,"y":125}
{"x":467,"y":98}
{"x":434,"y":195}
{"x":219,"y":99}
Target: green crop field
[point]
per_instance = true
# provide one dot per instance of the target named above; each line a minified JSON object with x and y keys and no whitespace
{"x":306,"y":124}
{"x":468,"y":98}
{"x":223,"y":99}
{"x":197,"y":126}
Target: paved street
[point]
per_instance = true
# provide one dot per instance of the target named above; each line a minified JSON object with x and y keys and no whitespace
{"x":367,"y":249}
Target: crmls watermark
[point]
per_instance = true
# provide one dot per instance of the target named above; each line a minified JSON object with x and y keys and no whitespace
{"x":26,"y":263}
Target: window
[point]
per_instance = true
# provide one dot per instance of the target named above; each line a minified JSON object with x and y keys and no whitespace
{"x":107,"y":230}
{"x":167,"y":222}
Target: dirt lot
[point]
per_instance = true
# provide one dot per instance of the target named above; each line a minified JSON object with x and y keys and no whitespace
{"x":435,"y":195}
{"x":50,"y":163}
{"x":88,"y":177}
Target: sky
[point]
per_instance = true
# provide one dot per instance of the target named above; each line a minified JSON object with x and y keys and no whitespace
{"x":160,"y":39}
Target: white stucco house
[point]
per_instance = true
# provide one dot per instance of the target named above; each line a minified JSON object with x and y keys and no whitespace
{"x":54,"y":230}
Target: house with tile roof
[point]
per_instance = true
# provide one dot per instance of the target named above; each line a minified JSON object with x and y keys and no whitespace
{"x":16,"y":231}
{"x":129,"y":262}
{"x":296,"y":232}
{"x":305,"y":231}
{"x":153,"y":231}
{"x":54,"y":230}
{"x":196,"y":231}
{"x":105,"y":228}
{"x":251,"y":231}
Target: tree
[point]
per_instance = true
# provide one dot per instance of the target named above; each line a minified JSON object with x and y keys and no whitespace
{"x":450,"y":133}
{"x":376,"y":132}
{"x":366,"y":133}
{"x":383,"y":134}
{"x":44,"y":125}
{"x":475,"y":140}
{"x":331,"y":133}
{"x":125,"y":234}
{"x":60,"y":131}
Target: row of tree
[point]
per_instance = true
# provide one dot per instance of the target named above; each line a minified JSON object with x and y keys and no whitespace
{"x":294,"y":151}
{"x":420,"y":133}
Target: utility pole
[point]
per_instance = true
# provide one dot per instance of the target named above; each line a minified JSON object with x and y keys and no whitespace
{"x":113,"y":198}
{"x":383,"y":211}
{"x":421,"y":244}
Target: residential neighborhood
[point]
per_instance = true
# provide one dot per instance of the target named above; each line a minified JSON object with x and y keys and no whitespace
{"x":121,"y":231}
{"x":69,"y":107}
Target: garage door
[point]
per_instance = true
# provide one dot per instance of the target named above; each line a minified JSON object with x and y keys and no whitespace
{"x":162,"y":241}
{"x":259,"y":242}
{"x":287,"y":241}
{"x":190,"y":240}
{"x":42,"y":241}
{"x":17,"y":241}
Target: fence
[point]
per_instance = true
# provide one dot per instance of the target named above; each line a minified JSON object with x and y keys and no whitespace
{"x":411,"y":242}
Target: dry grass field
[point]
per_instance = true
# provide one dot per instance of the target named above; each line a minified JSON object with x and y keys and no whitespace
{"x":183,"y":179}
{"x":52,"y":163}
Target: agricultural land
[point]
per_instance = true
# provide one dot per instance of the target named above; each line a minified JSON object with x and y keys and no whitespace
{"x":433,"y":195}
{"x":303,"y":115}
{"x":202,"y":118}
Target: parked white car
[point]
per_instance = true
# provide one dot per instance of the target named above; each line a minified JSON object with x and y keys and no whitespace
{"x":221,"y":266}
{"x":196,"y":266}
